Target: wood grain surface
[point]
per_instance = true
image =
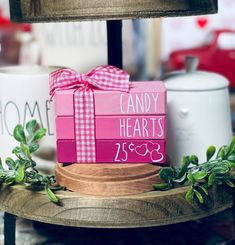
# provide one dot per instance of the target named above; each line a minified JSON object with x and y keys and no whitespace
{"x":144,"y":210}
{"x":108,"y":179}
{"x":67,"y":10}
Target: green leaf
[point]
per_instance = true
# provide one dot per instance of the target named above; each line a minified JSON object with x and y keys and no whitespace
{"x":166,"y":173}
{"x":20,"y":174}
{"x":184,"y":167}
{"x":25,"y":150}
{"x":189,"y":195}
{"x":191,"y":178}
{"x":1,"y":166}
{"x":194,"y":159}
{"x":199,"y":196}
{"x":10,"y":163}
{"x":231,"y":148}
{"x":229,"y":183}
{"x":203,"y":190}
{"x":211,"y":179}
{"x":31,"y":126}
{"x":210,"y":152}
{"x":221,"y":153}
{"x":161,"y":187}
{"x":19,"y":153}
{"x":51,"y":194}
{"x":231,"y":157}
{"x":229,"y":164}
{"x":33,"y":147}
{"x":19,"y":134}
{"x":10,"y":180}
{"x":221,"y":170}
{"x":199,"y":175}
{"x":39,"y":134}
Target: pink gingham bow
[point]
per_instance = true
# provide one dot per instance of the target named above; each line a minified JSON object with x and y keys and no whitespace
{"x":103,"y":78}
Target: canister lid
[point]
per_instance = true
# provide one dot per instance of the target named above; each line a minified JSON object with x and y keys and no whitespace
{"x":193,"y":80}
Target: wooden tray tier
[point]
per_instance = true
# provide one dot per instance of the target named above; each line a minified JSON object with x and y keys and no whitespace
{"x":68,"y":10}
{"x":142,"y":210}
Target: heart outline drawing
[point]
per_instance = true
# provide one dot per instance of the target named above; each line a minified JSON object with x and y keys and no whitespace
{"x":139,"y":150}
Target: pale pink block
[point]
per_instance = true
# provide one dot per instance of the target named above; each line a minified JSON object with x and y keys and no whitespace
{"x":65,"y":128}
{"x":144,"y":98}
{"x":132,"y":127}
{"x":64,"y":103}
{"x":131,"y":151}
{"x":66,"y":151}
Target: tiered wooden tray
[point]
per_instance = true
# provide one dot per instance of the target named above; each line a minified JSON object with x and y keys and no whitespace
{"x":142,"y":210}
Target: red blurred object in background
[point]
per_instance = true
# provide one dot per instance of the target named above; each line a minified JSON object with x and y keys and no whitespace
{"x":9,"y":45}
{"x":216,"y":55}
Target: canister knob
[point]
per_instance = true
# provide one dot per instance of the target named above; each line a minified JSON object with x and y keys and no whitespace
{"x":191,"y":63}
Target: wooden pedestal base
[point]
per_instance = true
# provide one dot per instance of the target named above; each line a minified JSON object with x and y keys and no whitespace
{"x":108,"y":179}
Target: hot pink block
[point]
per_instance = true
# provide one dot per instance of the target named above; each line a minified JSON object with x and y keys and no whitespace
{"x":144,"y":98}
{"x":115,"y":127}
{"x":132,"y":127}
{"x":65,"y":128}
{"x":117,"y":151}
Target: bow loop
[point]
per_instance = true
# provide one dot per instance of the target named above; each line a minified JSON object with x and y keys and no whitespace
{"x":64,"y":79}
{"x":102,"y":77}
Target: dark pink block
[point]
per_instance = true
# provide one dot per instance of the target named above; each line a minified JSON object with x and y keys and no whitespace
{"x":66,"y":151}
{"x":131,"y":151}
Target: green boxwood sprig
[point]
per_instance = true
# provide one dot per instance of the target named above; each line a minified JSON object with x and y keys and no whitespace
{"x":201,"y":176}
{"x":22,"y":170}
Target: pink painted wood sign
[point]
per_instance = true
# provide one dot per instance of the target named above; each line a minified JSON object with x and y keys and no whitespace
{"x":117,"y":151}
{"x":117,"y":127}
{"x":144,"y":98}
{"x":130,"y":127}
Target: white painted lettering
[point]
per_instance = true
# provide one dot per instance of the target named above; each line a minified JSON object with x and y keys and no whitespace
{"x":130,"y":105}
{"x":155,"y":99}
{"x":160,"y":134}
{"x":140,"y":103}
{"x":147,"y":102}
{"x":137,"y":129}
{"x":144,"y":125}
{"x":121,"y":103}
{"x":122,"y":127}
{"x":153,"y":126}
{"x":128,"y":126}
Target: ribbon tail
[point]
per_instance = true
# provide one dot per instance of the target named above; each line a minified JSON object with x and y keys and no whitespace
{"x":85,"y":126}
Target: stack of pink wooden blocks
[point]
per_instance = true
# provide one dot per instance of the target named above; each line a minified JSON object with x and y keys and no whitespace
{"x":129,"y":127}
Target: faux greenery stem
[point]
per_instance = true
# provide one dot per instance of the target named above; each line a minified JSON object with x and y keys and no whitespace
{"x":200,"y":177}
{"x":23,"y":170}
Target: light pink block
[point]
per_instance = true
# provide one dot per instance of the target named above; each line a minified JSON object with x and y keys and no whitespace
{"x":130,"y":127}
{"x":144,"y":98}
{"x":66,"y":151}
{"x":131,"y":151}
{"x":65,"y":128}
{"x":64,"y":103}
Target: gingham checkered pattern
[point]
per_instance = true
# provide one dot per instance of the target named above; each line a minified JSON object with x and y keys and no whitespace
{"x":102,"y":77}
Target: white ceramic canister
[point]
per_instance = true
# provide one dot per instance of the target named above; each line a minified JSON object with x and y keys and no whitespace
{"x":198,"y":112}
{"x":24,"y":95}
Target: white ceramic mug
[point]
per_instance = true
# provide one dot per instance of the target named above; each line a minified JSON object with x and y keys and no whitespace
{"x":24,"y":95}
